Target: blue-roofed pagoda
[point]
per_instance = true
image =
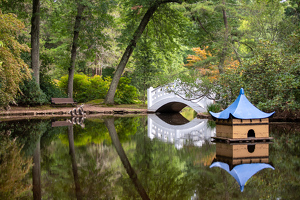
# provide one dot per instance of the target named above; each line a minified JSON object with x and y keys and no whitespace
{"x":242,"y":121}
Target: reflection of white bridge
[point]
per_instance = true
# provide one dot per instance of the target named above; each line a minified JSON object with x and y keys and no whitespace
{"x":195,"y":132}
{"x":160,"y":100}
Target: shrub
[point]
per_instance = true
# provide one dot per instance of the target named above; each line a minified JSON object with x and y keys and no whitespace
{"x":87,"y":89}
{"x":98,"y":87}
{"x":31,"y":94}
{"x":80,"y":84}
{"x":125,"y":94}
{"x":50,"y":88}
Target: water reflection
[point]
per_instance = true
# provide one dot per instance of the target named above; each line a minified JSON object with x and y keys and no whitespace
{"x":68,"y":122}
{"x":178,"y":130}
{"x":109,"y":122}
{"x":74,"y":163}
{"x":164,"y":171}
{"x":242,"y":161}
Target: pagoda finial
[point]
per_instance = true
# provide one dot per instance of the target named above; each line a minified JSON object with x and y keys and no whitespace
{"x":242,"y":91}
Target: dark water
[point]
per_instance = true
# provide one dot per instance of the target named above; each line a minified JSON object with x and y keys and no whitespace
{"x":119,"y":158}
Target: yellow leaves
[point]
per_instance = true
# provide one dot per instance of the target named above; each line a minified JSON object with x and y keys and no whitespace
{"x":206,"y":67}
{"x":201,"y":54}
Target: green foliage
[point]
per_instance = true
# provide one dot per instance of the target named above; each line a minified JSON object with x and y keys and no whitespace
{"x":87,"y":89}
{"x":31,"y":94}
{"x":95,"y":34}
{"x":215,"y":107}
{"x":50,"y":88}
{"x":270,"y":79}
{"x":13,"y":70}
{"x":98,"y":87}
{"x":80,"y":85}
{"x":125,"y":94}
{"x":13,"y":169}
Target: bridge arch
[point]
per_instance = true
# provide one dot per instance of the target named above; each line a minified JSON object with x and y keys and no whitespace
{"x":159,"y":100}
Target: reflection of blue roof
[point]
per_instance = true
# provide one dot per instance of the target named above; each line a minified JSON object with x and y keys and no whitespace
{"x":241,"y":108}
{"x":242,"y":173}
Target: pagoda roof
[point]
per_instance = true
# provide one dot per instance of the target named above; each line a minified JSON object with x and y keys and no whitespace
{"x":241,"y":108}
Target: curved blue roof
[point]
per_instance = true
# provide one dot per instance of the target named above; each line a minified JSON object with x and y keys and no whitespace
{"x":241,"y":108}
{"x":243,"y":172}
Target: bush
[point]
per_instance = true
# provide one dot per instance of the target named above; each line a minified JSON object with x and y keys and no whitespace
{"x":87,"y":89}
{"x":31,"y":94}
{"x":50,"y":88}
{"x":80,"y":85}
{"x":125,"y":94}
{"x":98,"y":87}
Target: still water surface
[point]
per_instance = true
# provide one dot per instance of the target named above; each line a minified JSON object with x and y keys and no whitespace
{"x":150,"y":157}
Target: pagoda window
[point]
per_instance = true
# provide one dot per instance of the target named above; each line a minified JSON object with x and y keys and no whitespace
{"x":251,"y":133}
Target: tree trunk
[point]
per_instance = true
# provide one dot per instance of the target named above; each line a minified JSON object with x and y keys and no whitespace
{"x":224,"y":50}
{"x":109,"y":99}
{"x":109,"y":122}
{"x":35,"y":32}
{"x":80,"y":10}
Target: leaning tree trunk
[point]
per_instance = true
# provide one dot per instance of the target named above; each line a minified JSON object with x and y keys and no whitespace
{"x":80,"y":9}
{"x":35,"y":32}
{"x":109,"y":99}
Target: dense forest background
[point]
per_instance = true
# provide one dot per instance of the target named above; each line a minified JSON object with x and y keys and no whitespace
{"x":114,"y":50}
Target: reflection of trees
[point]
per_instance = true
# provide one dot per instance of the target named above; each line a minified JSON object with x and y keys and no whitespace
{"x":109,"y":122}
{"x":74,"y":164}
{"x":13,"y":169}
{"x":159,"y":169}
{"x":164,"y":171}
{"x":91,"y":173}
{"x":36,"y":172}
{"x":285,"y":151}
{"x":96,"y":132}
{"x":28,"y":134}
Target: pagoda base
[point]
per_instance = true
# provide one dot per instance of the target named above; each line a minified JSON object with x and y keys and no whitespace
{"x":243,"y":140}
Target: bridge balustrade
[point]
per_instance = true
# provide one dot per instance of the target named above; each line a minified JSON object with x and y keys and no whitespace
{"x":161,"y":97}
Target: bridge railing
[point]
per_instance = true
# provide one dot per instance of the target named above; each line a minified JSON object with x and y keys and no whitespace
{"x":155,"y":95}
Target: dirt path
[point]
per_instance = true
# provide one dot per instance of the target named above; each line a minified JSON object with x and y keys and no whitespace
{"x":65,"y":111}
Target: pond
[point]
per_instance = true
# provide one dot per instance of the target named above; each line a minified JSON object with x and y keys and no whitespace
{"x":141,"y":157}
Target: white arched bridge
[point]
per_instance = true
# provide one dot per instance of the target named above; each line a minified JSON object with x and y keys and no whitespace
{"x":195,"y":132}
{"x":162,"y":100}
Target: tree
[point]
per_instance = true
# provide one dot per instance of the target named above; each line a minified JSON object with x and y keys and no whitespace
{"x":132,"y":44}
{"x":13,"y":69}
{"x":78,"y":27}
{"x":35,"y":40}
{"x":80,"y":9}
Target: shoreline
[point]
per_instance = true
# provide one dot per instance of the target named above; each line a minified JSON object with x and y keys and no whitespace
{"x":16,"y":113}
{"x":89,"y":110}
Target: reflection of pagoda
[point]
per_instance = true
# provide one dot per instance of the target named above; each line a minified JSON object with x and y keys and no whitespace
{"x":242,"y":161}
{"x":242,"y":121}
